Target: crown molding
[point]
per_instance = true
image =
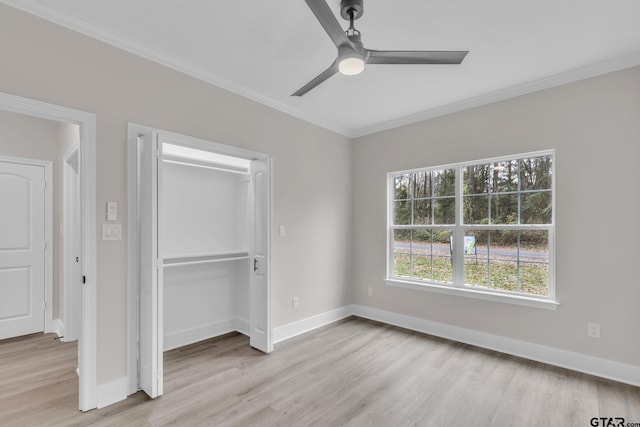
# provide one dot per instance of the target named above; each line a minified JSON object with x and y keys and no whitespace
{"x":593,"y":70}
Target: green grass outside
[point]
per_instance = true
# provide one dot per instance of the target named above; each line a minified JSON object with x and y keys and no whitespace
{"x":533,"y":277}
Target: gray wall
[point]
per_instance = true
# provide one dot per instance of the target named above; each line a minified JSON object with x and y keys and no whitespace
{"x":312,"y":188}
{"x":594,"y":125}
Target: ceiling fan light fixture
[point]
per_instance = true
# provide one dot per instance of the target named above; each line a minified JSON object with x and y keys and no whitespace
{"x":351,"y":64}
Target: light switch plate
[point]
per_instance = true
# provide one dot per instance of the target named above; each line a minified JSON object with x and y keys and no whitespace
{"x":112,"y":211}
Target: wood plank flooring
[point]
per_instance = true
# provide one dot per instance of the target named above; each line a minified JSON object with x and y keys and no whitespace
{"x":352,"y":373}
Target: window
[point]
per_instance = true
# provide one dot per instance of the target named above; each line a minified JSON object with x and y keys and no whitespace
{"x":483,"y":226}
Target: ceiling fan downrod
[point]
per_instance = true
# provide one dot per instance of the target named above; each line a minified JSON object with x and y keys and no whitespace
{"x":351,"y":10}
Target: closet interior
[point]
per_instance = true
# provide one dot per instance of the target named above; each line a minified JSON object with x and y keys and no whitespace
{"x":204,"y":238}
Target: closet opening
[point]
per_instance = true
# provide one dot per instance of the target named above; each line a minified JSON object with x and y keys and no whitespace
{"x":200,"y":214}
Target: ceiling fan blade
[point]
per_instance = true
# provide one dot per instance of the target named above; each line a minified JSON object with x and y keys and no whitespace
{"x":328,"y":20}
{"x":318,"y":80}
{"x":415,"y":57}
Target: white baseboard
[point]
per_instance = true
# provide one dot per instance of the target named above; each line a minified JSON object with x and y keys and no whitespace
{"x":111,"y":392}
{"x":210,"y":330}
{"x":290,"y":330}
{"x":622,"y":372}
{"x":58,"y":327}
{"x":190,"y":336}
{"x":241,"y":325}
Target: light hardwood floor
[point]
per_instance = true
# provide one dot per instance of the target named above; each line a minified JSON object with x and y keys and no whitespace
{"x":352,"y":373}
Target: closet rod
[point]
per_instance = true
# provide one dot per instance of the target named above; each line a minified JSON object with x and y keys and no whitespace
{"x":199,"y":165}
{"x":205,"y":261}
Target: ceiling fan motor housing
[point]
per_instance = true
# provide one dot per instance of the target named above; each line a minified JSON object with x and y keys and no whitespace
{"x":347,"y":6}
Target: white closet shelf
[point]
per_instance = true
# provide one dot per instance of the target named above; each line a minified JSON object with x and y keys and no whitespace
{"x":192,"y":259}
{"x":203,"y":164}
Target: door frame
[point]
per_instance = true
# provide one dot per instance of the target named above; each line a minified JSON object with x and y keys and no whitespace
{"x":133,"y":132}
{"x":87,"y":349}
{"x":47,"y":166}
{"x":71,"y":243}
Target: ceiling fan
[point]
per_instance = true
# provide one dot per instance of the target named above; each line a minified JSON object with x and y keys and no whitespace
{"x":352,"y":55}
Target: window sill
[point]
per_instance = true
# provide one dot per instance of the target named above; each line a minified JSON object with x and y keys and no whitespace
{"x":547,"y":304}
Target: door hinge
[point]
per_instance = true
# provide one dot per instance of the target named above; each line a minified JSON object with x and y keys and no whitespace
{"x":44,"y":185}
{"x":44,"y":245}
{"x":84,"y":279}
{"x":255,"y":264}
{"x":44,"y":306}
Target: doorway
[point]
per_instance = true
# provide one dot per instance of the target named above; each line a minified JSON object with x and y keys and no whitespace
{"x":199,"y":247}
{"x":87,"y":182}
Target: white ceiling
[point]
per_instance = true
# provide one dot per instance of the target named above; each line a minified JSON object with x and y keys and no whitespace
{"x":266,"y":50}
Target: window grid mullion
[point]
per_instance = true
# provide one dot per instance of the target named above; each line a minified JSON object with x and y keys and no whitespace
{"x":458,"y":232}
{"x":522,"y":227}
{"x":519,"y":204}
{"x":489,"y":260}
{"x":518,"y":282}
{"x":432,"y":204}
{"x":411,"y":253}
{"x":431,"y":258}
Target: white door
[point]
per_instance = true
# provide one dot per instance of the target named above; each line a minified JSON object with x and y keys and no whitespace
{"x":22,"y":249}
{"x":72,"y":245}
{"x":260,"y":295}
{"x":150,"y":272}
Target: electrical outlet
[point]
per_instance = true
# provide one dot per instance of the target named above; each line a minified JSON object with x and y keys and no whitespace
{"x":295,"y":302}
{"x":370,"y":291}
{"x":593,"y":330}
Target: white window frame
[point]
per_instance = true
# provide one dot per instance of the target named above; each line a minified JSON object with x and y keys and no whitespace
{"x":458,"y":286}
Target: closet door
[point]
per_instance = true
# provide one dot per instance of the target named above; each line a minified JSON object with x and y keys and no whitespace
{"x":150,"y":297}
{"x":260,"y":299}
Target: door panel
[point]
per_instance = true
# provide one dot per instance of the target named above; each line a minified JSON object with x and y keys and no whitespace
{"x":150,"y":276}
{"x":16,"y":216}
{"x":15,"y":293}
{"x":22,"y":218}
{"x":260,"y":295}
